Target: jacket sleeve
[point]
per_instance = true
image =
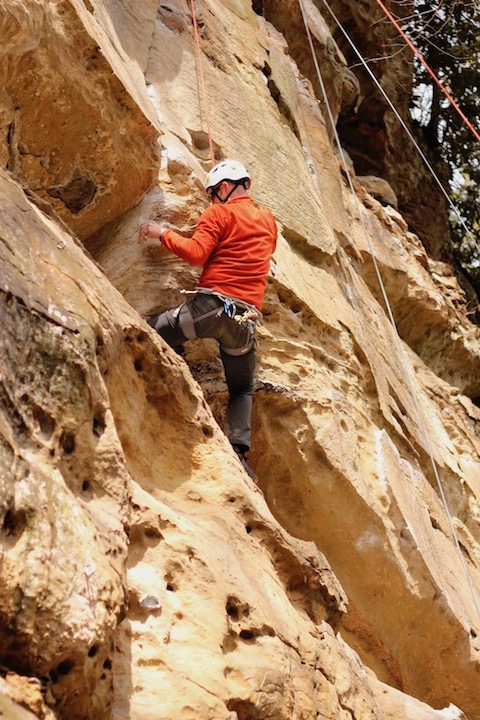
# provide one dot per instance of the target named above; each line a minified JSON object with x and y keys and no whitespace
{"x":275,"y":235}
{"x":198,"y":248}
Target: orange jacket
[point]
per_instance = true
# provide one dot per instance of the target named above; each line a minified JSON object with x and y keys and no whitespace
{"x":234,"y":243}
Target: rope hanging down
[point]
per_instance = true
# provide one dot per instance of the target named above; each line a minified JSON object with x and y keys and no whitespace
{"x":429,"y":70}
{"x":202,"y":81}
{"x":401,"y":121}
{"x":392,"y":320}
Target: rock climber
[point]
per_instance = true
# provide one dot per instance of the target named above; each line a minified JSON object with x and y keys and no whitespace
{"x":233,"y":241}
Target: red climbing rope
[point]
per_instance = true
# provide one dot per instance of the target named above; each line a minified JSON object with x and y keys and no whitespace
{"x":202,"y":81}
{"x":429,"y":70}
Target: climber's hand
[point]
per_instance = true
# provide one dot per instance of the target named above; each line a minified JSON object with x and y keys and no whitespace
{"x":150,"y":230}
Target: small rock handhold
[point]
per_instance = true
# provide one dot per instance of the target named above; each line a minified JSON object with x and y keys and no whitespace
{"x":150,"y":602}
{"x":380,"y":189}
{"x":90,"y":569}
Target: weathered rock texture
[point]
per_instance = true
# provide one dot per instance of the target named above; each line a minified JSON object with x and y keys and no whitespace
{"x":143,"y":575}
{"x":71,"y":123}
{"x":368,"y":127}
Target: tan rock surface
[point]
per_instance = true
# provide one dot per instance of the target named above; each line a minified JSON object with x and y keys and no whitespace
{"x":128,"y":405}
{"x":369,"y":129}
{"x":396,"y":705}
{"x":21,"y":698}
{"x":70,"y":126}
{"x":12,"y":711}
{"x":143,"y":575}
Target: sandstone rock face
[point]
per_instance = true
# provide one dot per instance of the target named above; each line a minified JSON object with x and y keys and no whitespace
{"x":379,"y":189}
{"x":69,"y":124}
{"x":143,"y":575}
{"x":369,"y":128}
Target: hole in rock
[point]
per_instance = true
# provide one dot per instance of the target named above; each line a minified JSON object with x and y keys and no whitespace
{"x":67,"y":442}
{"x":207,"y":431}
{"x":247,"y":635}
{"x":75,"y":194}
{"x":232,"y":611}
{"x":200,"y":140}
{"x":201,"y":146}
{"x":45,"y":422}
{"x":236,"y":609}
{"x":93,"y":651}
{"x":107,"y":664}
{"x":14,"y":522}
{"x":85,"y":486}
{"x":99,"y":425}
{"x":248,"y":528}
{"x":65,"y":667}
{"x":153,"y":534}
{"x":138,"y":364}
{"x":244,"y":709}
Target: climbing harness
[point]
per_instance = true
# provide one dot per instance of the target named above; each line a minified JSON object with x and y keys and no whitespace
{"x":250,"y":315}
{"x":390,"y":315}
{"x":229,"y":304}
{"x":246,"y":316}
{"x":229,"y":307}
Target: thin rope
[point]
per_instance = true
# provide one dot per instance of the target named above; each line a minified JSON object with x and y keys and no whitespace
{"x":402,"y":122}
{"x":429,"y":69}
{"x":391,"y":317}
{"x":202,"y":81}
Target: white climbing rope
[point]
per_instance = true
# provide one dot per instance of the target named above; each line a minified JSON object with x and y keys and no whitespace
{"x":390,"y":314}
{"x":401,"y":121}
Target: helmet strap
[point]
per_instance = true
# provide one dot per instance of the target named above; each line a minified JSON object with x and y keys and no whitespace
{"x":235,"y":185}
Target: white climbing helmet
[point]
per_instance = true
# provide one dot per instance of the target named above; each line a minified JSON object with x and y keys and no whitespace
{"x":227,"y":170}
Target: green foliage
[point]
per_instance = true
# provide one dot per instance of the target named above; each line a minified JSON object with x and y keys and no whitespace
{"x":447,"y":34}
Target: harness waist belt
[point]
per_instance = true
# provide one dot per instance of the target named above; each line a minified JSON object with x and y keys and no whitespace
{"x":257,"y":315}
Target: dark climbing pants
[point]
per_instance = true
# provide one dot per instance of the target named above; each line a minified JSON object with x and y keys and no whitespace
{"x":205,"y":316}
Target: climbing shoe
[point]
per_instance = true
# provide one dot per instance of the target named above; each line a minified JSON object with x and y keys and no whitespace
{"x":243,"y":461}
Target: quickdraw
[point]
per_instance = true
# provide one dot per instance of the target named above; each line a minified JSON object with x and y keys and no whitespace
{"x":248,"y":315}
{"x":229,"y":307}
